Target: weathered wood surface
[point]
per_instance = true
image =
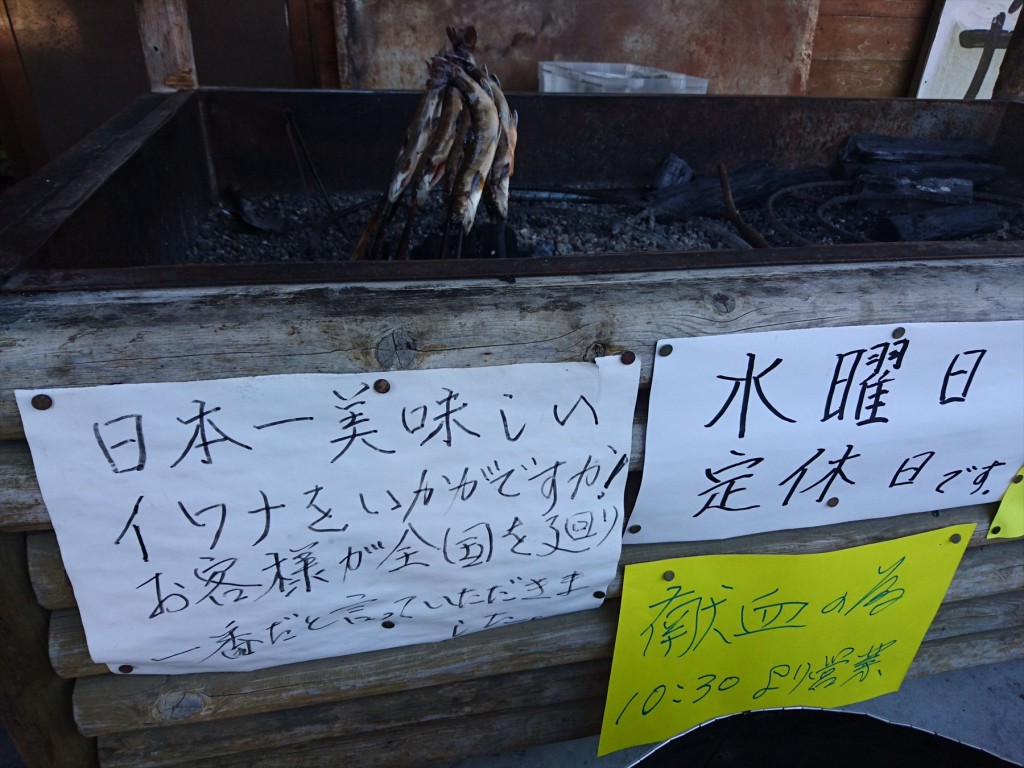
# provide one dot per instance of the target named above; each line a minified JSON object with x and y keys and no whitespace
{"x":98,"y":337}
{"x":112,"y":703}
{"x":847,"y":26}
{"x":405,"y":709}
{"x":866,"y":48}
{"x":35,"y":705}
{"x":440,"y":742}
{"x":1002,"y":560}
{"x":21,"y":503}
{"x":107,"y":704}
{"x":166,"y":44}
{"x":461,"y":711}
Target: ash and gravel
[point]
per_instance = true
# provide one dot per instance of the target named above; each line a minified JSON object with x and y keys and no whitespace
{"x":303,"y":228}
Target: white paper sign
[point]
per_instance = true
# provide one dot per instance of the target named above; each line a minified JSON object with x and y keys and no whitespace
{"x":243,"y":523}
{"x":770,"y":431}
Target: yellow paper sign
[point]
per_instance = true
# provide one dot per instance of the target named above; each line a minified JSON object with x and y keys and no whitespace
{"x":1009,"y":520}
{"x":702,"y":637}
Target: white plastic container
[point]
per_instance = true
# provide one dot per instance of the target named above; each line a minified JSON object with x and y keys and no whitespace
{"x":605,"y":77}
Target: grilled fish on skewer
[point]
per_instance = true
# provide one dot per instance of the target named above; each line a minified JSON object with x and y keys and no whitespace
{"x":496,"y":189}
{"x":417,"y":137}
{"x":480,"y":148}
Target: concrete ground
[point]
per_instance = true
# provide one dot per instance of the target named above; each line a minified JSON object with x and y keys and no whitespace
{"x":980,"y":706}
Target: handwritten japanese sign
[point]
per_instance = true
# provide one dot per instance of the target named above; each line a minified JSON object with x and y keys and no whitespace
{"x":702,"y":637}
{"x":242,"y":523}
{"x":769,"y":431}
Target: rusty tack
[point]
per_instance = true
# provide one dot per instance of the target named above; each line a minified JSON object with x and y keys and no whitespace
{"x":899,"y":333}
{"x":833,"y":502}
{"x":627,"y":357}
{"x":668,"y":575}
{"x":955,"y":538}
{"x":126,"y":668}
{"x":382,"y":386}
{"x":42,"y":402}
{"x":665,"y":350}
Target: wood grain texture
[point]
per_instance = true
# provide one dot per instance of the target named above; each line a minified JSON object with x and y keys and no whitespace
{"x":337,"y":728}
{"x":80,"y":339}
{"x":166,"y":44}
{"x":107,"y":704}
{"x":877,"y":9}
{"x":861,"y":79}
{"x":21,"y":503}
{"x":405,"y":709}
{"x":864,"y":38}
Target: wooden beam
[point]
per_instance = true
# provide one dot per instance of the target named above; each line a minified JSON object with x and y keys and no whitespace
{"x":166,"y":44}
{"x":20,"y":131}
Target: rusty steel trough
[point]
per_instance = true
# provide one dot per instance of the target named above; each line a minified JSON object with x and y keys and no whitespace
{"x":117,"y":209}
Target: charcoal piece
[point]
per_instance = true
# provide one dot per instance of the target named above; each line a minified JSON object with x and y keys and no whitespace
{"x":673,"y":171}
{"x":872,"y":147}
{"x":948,"y":191}
{"x":750,"y":185}
{"x":978,"y":172}
{"x":947,"y":223}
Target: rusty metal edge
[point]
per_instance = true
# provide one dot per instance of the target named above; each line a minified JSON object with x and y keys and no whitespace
{"x":507,"y":270}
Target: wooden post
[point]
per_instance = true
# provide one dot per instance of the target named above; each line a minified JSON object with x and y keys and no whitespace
{"x":1010,"y":83}
{"x":166,"y":44}
{"x":35,"y":704}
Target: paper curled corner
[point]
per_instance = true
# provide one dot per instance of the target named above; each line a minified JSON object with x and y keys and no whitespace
{"x":1009,"y":520}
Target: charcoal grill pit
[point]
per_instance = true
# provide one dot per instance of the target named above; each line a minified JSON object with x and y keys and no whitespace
{"x":128,"y":205}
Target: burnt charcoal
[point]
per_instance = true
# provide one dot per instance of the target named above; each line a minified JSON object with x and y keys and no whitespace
{"x":978,"y":172}
{"x":751,"y":185}
{"x":872,"y":147}
{"x":948,"y":191}
{"x":673,"y":171}
{"x":947,"y":223}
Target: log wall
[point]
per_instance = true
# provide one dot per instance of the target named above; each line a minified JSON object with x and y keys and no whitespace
{"x":505,"y":688}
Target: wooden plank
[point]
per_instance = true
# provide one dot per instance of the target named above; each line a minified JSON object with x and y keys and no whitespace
{"x":441,"y":742}
{"x":35,"y":705}
{"x":166,"y":44}
{"x":1002,"y":561}
{"x":112,"y":703}
{"x":79,"y":339}
{"x":108,"y":704}
{"x":456,"y":736}
{"x":323,"y":31}
{"x":21,"y":504}
{"x":861,"y":38}
{"x":877,"y":9}
{"x":862,"y":79}
{"x":974,"y":650}
{"x":404,"y":709}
